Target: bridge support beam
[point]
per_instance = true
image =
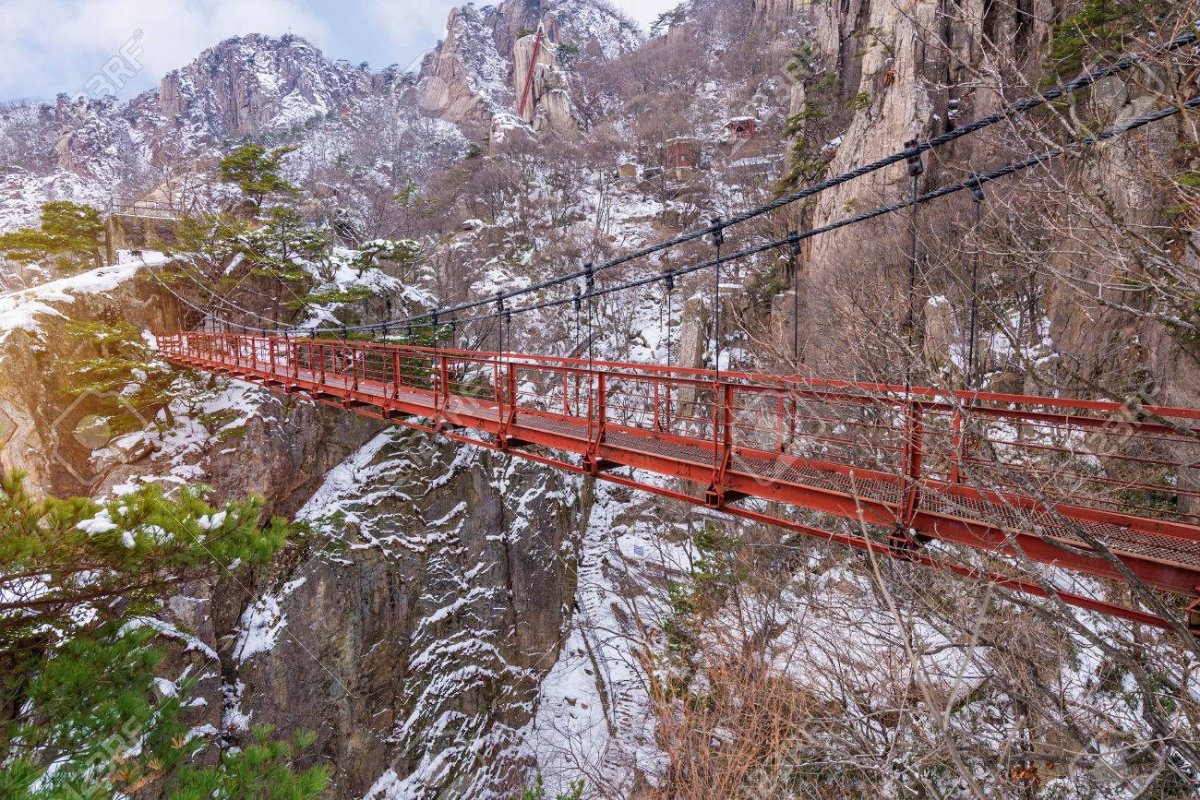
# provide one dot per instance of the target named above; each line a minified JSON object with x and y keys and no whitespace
{"x":594,"y":464}
{"x":720,"y":497}
{"x":904,"y":542}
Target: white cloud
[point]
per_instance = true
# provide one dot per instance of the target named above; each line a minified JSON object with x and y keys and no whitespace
{"x":48,"y":46}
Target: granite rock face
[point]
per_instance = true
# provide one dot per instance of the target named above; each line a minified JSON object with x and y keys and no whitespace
{"x":414,"y":631}
{"x":890,"y":72}
{"x":253,"y":84}
{"x":477,"y":75}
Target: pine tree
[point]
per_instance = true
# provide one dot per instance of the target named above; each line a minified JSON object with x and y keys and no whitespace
{"x":210,"y":242}
{"x":404,"y":254}
{"x":69,"y":236}
{"x":126,"y":371}
{"x":79,"y":714}
{"x":261,"y":769}
{"x":257,"y":172}
{"x":279,"y":251}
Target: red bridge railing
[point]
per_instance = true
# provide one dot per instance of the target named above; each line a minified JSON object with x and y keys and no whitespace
{"x":1050,"y":480}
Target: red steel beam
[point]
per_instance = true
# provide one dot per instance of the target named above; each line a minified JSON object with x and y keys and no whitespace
{"x":722,"y":478}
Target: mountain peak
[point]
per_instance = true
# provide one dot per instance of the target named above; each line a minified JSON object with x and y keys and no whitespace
{"x":255,"y":83}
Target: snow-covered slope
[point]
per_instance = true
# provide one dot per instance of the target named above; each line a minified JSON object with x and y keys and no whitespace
{"x":21,"y":310}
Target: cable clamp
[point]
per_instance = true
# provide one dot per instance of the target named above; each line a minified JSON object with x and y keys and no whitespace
{"x":976,"y":187}
{"x":915,"y":167}
{"x":718,"y":232}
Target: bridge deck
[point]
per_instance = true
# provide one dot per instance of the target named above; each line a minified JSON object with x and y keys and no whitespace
{"x":1019,"y":475}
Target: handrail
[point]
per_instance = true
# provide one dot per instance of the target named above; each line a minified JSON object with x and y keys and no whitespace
{"x":932,"y":396}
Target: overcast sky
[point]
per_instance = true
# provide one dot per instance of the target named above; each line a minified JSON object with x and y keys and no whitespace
{"x":52,"y":46}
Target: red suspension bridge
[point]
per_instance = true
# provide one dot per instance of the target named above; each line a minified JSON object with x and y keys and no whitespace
{"x":1056,"y":489}
{"x":1095,"y":488}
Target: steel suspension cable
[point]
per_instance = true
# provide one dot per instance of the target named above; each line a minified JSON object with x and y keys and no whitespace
{"x":978,"y":180}
{"x":669,"y":281}
{"x":1017,"y":108}
{"x":795,"y":251}
{"x":591,"y":294}
{"x":943,"y":191}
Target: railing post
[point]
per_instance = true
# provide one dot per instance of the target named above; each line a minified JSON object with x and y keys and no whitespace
{"x":956,"y":443}
{"x":717,"y":396}
{"x":396,"y":374}
{"x":656,"y":404}
{"x":667,"y":409}
{"x":722,"y":433}
{"x":444,"y":379}
{"x":512,"y":391}
{"x":912,"y":460}
{"x":497,"y":383}
{"x":779,"y":415}
{"x":727,"y":443}
{"x":602,"y":406}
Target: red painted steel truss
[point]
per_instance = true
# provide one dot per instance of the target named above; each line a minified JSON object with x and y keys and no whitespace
{"x":1095,"y":488}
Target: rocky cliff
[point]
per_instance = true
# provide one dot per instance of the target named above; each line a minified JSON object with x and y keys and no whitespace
{"x":256,"y":84}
